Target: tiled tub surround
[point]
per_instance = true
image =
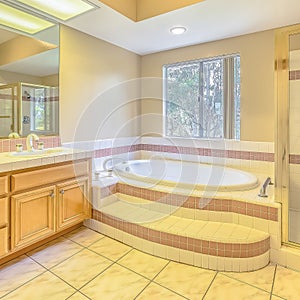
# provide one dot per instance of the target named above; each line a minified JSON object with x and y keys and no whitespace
{"x":257,"y":156}
{"x":233,"y":235}
{"x":242,"y":211}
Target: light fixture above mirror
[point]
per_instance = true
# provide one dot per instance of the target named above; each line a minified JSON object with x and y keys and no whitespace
{"x":33,"y":16}
{"x":22,"y":21}
{"x":60,"y":9}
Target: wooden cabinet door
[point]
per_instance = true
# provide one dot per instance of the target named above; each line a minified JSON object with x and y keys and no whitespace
{"x":3,"y":241}
{"x":73,"y":202}
{"x":32,"y":216}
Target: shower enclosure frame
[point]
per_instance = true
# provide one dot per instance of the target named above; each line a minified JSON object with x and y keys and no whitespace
{"x":282,"y":140}
{"x":19,"y":104}
{"x":18,"y":97}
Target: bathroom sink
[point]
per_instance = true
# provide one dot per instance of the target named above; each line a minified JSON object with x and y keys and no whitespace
{"x":37,"y":153}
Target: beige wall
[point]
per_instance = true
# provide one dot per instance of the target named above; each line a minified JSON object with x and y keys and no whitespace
{"x":257,"y":82}
{"x":96,"y":94}
{"x":11,"y":77}
{"x":51,"y":80}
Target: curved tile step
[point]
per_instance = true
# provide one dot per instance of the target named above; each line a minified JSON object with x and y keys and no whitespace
{"x":137,"y":217}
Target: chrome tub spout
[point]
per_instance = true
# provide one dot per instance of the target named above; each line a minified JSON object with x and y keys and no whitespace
{"x":263,"y":190}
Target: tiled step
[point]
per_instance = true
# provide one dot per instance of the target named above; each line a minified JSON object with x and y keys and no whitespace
{"x":154,"y":222}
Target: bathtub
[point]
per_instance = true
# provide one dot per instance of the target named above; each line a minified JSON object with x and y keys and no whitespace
{"x":188,"y":175}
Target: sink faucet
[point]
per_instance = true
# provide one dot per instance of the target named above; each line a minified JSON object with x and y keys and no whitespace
{"x":29,"y":141}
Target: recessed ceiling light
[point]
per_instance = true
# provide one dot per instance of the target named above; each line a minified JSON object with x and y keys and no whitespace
{"x":22,"y":21}
{"x":178,"y":30}
{"x":61,"y":9}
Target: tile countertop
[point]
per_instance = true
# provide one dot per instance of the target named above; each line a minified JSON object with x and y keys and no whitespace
{"x":8,"y":162}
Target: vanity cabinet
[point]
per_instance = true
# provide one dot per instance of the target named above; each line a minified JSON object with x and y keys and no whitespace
{"x":4,"y":215}
{"x":39,"y":202}
{"x":72,"y":205}
{"x":32,"y":216}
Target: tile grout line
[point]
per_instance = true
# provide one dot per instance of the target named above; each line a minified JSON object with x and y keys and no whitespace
{"x":246,"y":283}
{"x":163,"y":285}
{"x":44,"y":267}
{"x":80,"y":293}
{"x":152,"y":281}
{"x":210,"y":285}
{"x":24,"y":283}
{"x":274,"y":275}
{"x":50,"y":269}
{"x":113,"y":263}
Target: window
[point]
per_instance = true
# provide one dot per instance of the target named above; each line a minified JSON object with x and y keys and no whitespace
{"x":202,"y":98}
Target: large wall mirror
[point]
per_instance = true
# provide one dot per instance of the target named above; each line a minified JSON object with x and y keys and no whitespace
{"x":29,"y":95}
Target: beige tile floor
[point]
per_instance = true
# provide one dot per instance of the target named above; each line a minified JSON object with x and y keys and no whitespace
{"x":87,"y":265}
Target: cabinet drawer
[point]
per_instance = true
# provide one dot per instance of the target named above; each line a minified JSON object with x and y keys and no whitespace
{"x":3,"y":212}
{"x":27,"y":180}
{"x":3,"y":185}
{"x":3,"y":241}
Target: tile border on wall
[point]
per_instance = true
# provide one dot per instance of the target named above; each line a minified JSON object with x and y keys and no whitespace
{"x":8,"y":145}
{"x":207,"y":152}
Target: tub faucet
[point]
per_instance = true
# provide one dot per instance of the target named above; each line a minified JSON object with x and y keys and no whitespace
{"x":263,"y":190}
{"x":113,"y":162}
{"x":29,"y":141}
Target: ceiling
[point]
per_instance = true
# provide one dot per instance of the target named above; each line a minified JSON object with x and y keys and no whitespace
{"x":206,"y":21}
{"x":41,"y":64}
{"x":38,"y":63}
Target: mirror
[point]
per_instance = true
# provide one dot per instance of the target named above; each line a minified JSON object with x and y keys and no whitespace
{"x":29,"y":67}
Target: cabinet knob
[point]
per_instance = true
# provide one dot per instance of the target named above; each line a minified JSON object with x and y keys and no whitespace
{"x":62,"y":192}
{"x":52,"y":195}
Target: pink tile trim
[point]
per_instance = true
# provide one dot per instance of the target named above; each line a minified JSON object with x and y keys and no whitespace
{"x":233,"y":250}
{"x":294,"y":75}
{"x":211,"y":204}
{"x":259,"y":156}
{"x":294,"y":159}
{"x":7,"y":145}
{"x":108,"y":190}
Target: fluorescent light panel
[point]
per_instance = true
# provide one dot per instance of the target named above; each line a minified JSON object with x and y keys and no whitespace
{"x":60,"y":9}
{"x":22,"y":21}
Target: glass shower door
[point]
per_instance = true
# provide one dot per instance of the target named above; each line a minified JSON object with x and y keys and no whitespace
{"x":294,"y":139}
{"x":8,"y":110}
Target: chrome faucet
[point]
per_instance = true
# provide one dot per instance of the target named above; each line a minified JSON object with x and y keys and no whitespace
{"x":263,"y":190}
{"x":29,"y":141}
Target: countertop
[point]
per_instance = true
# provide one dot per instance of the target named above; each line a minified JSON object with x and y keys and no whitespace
{"x":10,"y":162}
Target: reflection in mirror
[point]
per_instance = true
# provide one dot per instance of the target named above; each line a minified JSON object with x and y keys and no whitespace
{"x":29,"y":82}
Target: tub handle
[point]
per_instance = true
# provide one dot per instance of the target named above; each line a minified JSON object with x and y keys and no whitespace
{"x":263,"y":190}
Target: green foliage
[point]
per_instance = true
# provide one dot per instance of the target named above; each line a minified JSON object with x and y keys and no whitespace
{"x":195,"y":99}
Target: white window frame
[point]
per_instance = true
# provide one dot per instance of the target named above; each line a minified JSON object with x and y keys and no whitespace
{"x":229,"y":123}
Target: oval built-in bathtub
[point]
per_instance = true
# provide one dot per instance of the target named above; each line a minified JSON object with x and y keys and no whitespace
{"x":188,"y":175}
